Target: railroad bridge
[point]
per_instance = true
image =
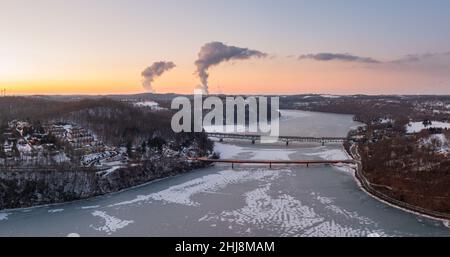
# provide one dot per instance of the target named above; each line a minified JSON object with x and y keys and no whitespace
{"x":285,"y":139}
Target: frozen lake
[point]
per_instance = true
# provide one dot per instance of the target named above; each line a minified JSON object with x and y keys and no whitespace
{"x":245,"y":201}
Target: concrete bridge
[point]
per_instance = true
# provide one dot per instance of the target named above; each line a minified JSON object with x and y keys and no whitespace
{"x":271,"y":162}
{"x":285,"y":139}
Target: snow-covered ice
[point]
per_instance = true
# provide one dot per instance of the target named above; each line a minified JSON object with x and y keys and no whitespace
{"x":55,"y":210}
{"x":285,"y":215}
{"x":226,"y":128}
{"x":228,"y":151}
{"x":90,"y":207}
{"x":271,"y":154}
{"x":330,"y":154}
{"x":3,"y":216}
{"x":182,"y":193}
{"x":335,"y":154}
{"x":112,"y":224}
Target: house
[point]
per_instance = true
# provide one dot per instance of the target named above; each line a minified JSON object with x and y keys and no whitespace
{"x":8,"y":148}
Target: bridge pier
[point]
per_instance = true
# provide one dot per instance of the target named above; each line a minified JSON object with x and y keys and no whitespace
{"x":253,"y":141}
{"x":232,"y":165}
{"x":270,"y":165}
{"x":287,"y":142}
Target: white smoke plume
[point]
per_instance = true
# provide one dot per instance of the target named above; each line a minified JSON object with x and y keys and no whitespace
{"x":153,"y":71}
{"x":215,"y":53}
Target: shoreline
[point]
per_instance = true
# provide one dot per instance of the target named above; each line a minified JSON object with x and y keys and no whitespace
{"x":21,"y":209}
{"x":364,"y":185}
{"x":111,"y":185}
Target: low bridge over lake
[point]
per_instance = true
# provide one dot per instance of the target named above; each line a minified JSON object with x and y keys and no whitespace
{"x":285,"y":139}
{"x":272,"y":162}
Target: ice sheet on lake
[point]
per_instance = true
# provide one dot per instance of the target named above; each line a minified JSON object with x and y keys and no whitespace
{"x":329,"y":204}
{"x":149,"y":104}
{"x":55,"y":210}
{"x":345,"y":167}
{"x":284,"y":215}
{"x":330,"y":154}
{"x":3,"y":216}
{"x":89,"y":207}
{"x":182,"y":193}
{"x":112,"y":224}
{"x":335,"y":154}
{"x":226,"y":128}
{"x":332,"y":228}
{"x":287,"y":115}
{"x":228,"y":151}
{"x":271,"y":154}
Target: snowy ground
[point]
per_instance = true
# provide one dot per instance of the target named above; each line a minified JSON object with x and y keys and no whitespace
{"x":331,"y":96}
{"x":149,"y":104}
{"x":439,"y":141}
{"x":415,"y":127}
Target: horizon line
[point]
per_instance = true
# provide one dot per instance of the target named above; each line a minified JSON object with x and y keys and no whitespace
{"x":226,"y":94}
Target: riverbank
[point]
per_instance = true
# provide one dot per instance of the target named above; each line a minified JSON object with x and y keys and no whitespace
{"x":370,"y":190}
{"x":28,"y":187}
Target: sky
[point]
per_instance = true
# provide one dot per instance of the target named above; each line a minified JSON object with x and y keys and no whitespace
{"x":320,"y":46}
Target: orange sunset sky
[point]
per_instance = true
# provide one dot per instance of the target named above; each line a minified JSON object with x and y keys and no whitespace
{"x":101,"y":47}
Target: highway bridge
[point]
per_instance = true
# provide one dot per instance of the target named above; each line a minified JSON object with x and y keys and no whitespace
{"x":285,"y":139}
